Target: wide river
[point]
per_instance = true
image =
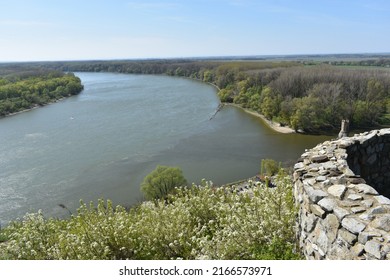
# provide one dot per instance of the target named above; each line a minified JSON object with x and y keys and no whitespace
{"x":103,"y":142}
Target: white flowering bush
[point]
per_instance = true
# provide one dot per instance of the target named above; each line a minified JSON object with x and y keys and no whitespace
{"x":198,"y":222}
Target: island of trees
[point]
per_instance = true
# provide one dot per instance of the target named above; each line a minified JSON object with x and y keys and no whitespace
{"x":24,"y":87}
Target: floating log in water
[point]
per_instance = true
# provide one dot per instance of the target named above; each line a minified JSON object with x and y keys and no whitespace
{"x":220,"y":106}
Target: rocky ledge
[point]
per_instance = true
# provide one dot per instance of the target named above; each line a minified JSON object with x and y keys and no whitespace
{"x":341,"y":188}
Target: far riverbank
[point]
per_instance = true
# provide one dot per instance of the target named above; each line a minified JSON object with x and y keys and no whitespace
{"x":273,"y":125}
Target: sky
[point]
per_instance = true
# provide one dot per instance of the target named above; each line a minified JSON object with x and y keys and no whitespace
{"x":43,"y":30}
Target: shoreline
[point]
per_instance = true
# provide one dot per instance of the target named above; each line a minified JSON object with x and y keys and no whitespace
{"x":274,"y":126}
{"x":36,"y":106}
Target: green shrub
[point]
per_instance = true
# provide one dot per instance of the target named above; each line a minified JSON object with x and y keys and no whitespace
{"x":161,"y":181}
{"x":269,"y":167}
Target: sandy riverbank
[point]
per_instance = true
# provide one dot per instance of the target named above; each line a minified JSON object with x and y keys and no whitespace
{"x":275,"y":126}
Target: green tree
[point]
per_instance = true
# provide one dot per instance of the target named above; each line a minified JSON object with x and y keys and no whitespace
{"x":161,"y":181}
{"x":269,"y":167}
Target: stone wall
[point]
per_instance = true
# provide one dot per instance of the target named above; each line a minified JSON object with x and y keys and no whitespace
{"x":340,"y":188}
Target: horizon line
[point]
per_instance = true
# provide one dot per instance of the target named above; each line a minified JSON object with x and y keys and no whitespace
{"x":207,"y":57}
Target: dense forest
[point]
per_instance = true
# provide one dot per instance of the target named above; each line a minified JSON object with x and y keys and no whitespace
{"x":310,"y":96}
{"x":24,"y":87}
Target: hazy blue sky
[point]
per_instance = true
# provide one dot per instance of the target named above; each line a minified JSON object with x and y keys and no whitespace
{"x":107,"y":29}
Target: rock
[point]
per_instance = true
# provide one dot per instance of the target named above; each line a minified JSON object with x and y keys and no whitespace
{"x":365,"y":236}
{"x":337,"y":190}
{"x":299,"y":165}
{"x":322,"y":242}
{"x":310,"y":222}
{"x":340,"y":212}
{"x":321,"y":158}
{"x":315,"y":195}
{"x":366,"y":217}
{"x":331,"y":227}
{"x":382,"y":222}
{"x":356,"y":180}
{"x":330,"y":166}
{"x":382,"y":199}
{"x":377,"y":210}
{"x":353,"y":225}
{"x":366,"y":189}
{"x":347,"y":236}
{"x":357,"y":250}
{"x":373,"y":248}
{"x":317,"y":210}
{"x":327,"y":204}
{"x":321,"y":178}
{"x":367,"y":203}
{"x":354,"y":197}
{"x":357,"y":210}
{"x":348,"y":172}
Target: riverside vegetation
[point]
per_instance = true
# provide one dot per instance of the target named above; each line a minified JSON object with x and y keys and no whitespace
{"x":312,"y":98}
{"x":25,"y":87}
{"x":196,"y":222}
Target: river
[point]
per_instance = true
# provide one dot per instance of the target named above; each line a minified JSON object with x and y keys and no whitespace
{"x":104,"y":141}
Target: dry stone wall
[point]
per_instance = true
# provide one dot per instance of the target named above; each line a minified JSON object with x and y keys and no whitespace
{"x":341,"y":188}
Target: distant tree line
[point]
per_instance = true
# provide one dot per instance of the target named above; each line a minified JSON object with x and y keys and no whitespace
{"x":23,"y":87}
{"x":313,"y":98}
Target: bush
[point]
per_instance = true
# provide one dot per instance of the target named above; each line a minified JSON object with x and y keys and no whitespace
{"x":269,"y":167}
{"x":200,"y":222}
{"x":161,"y":181}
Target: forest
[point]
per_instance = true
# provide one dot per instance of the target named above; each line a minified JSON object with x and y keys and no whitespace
{"x":308,"y":95}
{"x":24,"y":87}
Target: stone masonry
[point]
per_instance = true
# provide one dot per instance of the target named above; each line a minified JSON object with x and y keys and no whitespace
{"x":341,"y":188}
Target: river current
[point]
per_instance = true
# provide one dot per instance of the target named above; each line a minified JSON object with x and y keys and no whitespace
{"x":104,"y":141}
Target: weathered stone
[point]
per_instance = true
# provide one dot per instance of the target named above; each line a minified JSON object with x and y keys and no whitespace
{"x":382,"y":199}
{"x":367,"y":203}
{"x":366,"y":217}
{"x":337,"y":190}
{"x":353,"y":225}
{"x":373,"y":248}
{"x":327,"y":204}
{"x":348,"y":172}
{"x":377,"y":210}
{"x":341,"y":216}
{"x":357,"y":250}
{"x":366,"y":189}
{"x":340,"y":212}
{"x":321,"y":158}
{"x":322,"y":242}
{"x":367,"y":235}
{"x":321,"y":178}
{"x":347,"y":236}
{"x":357,"y":210}
{"x":349,"y":203}
{"x":331,"y":225}
{"x":382,"y":222}
{"x":310,"y":222}
{"x":315,"y":195}
{"x":317,"y":210}
{"x":299,"y":165}
{"x":354,"y":197}
{"x":356,"y":180}
{"x":329,"y":166}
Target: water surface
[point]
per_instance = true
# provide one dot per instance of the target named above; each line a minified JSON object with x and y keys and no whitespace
{"x":101,"y":143}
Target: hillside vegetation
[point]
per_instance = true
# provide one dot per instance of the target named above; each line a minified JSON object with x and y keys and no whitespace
{"x":198,"y":222}
{"x":24,"y":87}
